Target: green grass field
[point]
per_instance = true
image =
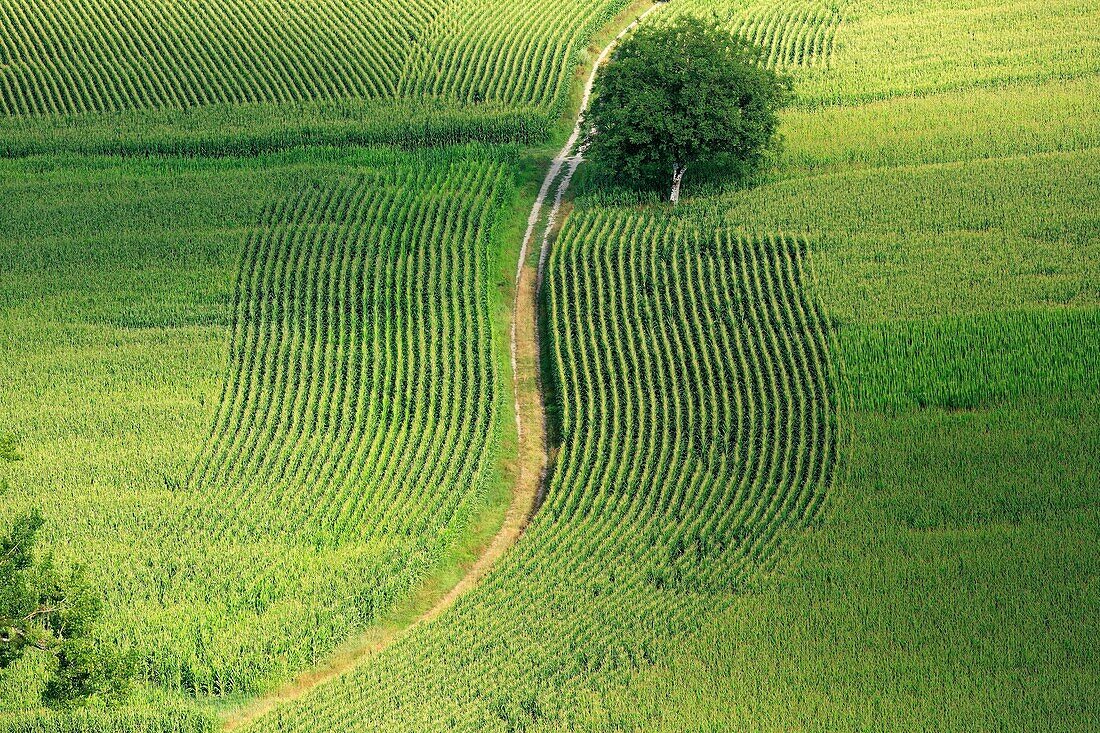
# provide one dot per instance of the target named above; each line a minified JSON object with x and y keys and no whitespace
{"x":823,"y":448}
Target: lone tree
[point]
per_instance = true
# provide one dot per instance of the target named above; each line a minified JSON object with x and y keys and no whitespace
{"x":674,"y":96}
{"x":45,"y":610}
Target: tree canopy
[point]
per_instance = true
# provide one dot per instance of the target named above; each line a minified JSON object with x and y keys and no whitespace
{"x":52,"y":612}
{"x":678,"y":95}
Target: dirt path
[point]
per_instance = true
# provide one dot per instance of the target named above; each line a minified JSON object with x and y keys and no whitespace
{"x":569,"y":159}
{"x":531,"y":463}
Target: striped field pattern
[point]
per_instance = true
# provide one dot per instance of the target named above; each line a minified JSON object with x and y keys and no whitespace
{"x":360,"y":368}
{"x":521,"y":52}
{"x":713,"y":406}
{"x":791,"y":33}
{"x":697,"y":436}
{"x":354,"y":438}
{"x":71,"y":56}
{"x":76,"y":56}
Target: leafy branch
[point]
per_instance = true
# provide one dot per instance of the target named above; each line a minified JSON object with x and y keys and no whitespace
{"x":46,"y":610}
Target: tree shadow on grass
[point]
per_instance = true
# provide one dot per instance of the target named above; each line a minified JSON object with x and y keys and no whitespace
{"x":596,"y":186}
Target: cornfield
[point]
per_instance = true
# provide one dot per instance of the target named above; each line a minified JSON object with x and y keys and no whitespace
{"x":356,"y":430}
{"x":115,"y":721}
{"x":697,"y":434}
{"x":790,"y":33}
{"x":260,"y":389}
{"x":65,"y":57}
{"x":357,"y":409}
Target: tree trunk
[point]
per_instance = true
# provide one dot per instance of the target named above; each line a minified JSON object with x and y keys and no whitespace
{"x":678,"y":172}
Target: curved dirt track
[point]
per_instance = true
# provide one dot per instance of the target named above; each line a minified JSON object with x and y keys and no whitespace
{"x":569,"y":159}
{"x":531,"y":462}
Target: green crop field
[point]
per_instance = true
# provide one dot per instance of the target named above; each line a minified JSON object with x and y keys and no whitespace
{"x":217,"y":75}
{"x":820,"y":450}
{"x":791,"y":33}
{"x":696,"y":439}
{"x":103,"y":56}
{"x":264,"y":423}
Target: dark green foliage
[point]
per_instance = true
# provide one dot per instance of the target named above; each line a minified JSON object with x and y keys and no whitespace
{"x":682,"y":95}
{"x":17,"y":600}
{"x":8,"y":452}
{"x":42,"y":608}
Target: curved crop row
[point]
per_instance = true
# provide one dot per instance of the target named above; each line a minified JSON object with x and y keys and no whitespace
{"x":352,"y":440}
{"x":698,"y":435}
{"x":512,"y":52}
{"x":62,"y":57}
{"x":791,"y":33}
{"x":73,"y":56}
{"x":360,"y":349}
